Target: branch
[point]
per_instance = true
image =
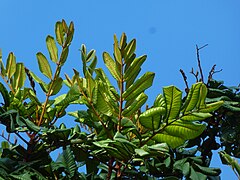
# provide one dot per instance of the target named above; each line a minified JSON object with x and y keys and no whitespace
{"x":185,"y":80}
{"x":199,"y":62}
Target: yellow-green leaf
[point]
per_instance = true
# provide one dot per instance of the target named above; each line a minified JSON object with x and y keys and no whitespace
{"x":139,"y":86}
{"x":19,"y":76}
{"x":59,"y":33}
{"x":111,"y":65}
{"x":11,"y":65}
{"x":44,"y":65}
{"x":52,"y":48}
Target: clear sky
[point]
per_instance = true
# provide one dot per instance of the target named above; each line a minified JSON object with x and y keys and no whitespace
{"x":167,"y":31}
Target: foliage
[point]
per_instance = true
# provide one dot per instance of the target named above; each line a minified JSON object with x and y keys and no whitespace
{"x":119,"y":138}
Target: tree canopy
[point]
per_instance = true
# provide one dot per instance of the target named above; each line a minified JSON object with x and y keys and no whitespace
{"x":117,"y":136}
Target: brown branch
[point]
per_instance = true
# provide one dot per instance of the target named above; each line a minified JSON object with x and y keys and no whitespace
{"x":199,"y":61}
{"x":212,"y":72}
{"x":185,"y":80}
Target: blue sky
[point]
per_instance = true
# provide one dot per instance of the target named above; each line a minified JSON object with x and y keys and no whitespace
{"x":167,"y":31}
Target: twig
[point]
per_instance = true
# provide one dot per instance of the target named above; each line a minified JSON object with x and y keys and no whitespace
{"x":185,"y":80}
{"x":195,"y":74}
{"x":212,"y":71}
{"x":199,"y":62}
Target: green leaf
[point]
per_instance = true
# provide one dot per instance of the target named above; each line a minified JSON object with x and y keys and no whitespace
{"x":43,"y":85}
{"x":11,"y":65}
{"x":178,"y":132}
{"x":70,"y":34}
{"x":59,"y":33}
{"x":111,"y":65}
{"x":117,"y":52}
{"x":5,"y":95}
{"x":136,"y":105}
{"x":57,"y":85}
{"x":44,"y":65}
{"x":151,"y":118}
{"x":130,"y":49}
{"x":212,"y":107}
{"x":196,"y":97}
{"x":134,"y":68}
{"x":64,"y":55}
{"x":19,"y":76}
{"x":196,"y":116}
{"x":173,"y":98}
{"x":66,"y":159}
{"x":52,"y":48}
{"x":2,"y":68}
{"x":90,"y":55}
{"x":139,"y":86}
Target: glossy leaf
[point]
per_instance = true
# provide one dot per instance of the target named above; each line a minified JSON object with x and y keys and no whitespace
{"x":111,"y":65}
{"x":139,"y":86}
{"x":195,"y":116}
{"x":56,"y":87}
{"x":52,"y":48}
{"x":178,"y":132}
{"x":117,"y":52}
{"x":19,"y":76}
{"x":64,"y":55}
{"x":59,"y":33}
{"x":212,"y":107}
{"x":129,"y":49}
{"x":136,"y":105}
{"x":173,"y":98}
{"x":152,"y":117}
{"x":196,"y":97}
{"x":11,"y":65}
{"x":44,"y":65}
{"x":134,"y":67}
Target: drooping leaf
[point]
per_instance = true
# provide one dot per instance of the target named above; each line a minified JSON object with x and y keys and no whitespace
{"x":212,"y":107}
{"x":195,"y":116}
{"x":111,"y":65}
{"x":139,"y":86}
{"x":52,"y":48}
{"x":11,"y":65}
{"x":44,"y":65}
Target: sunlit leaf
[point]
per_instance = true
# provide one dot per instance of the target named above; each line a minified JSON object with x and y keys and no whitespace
{"x":11,"y":65}
{"x":52,"y":48}
{"x":57,"y":85}
{"x":19,"y":76}
{"x":59,"y":33}
{"x":136,"y":105}
{"x":173,"y":98}
{"x":44,"y":65}
{"x":139,"y":86}
{"x":111,"y":65}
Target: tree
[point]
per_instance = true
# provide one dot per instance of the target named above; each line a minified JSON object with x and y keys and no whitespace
{"x":116,"y":136}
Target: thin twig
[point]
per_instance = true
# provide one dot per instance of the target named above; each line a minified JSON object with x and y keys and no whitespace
{"x":199,"y":61}
{"x":185,"y":80}
{"x":212,"y":71}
